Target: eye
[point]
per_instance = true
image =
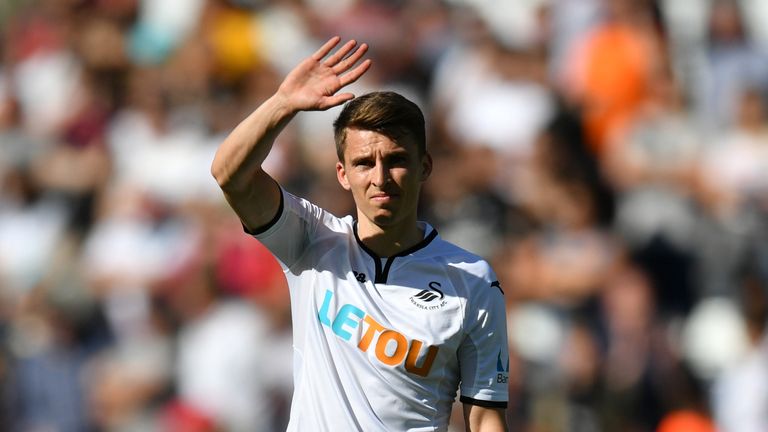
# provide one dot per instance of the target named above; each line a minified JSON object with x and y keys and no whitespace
{"x":398,"y":160}
{"x":363,"y":163}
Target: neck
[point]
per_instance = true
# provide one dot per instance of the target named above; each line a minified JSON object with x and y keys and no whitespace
{"x":390,"y":240}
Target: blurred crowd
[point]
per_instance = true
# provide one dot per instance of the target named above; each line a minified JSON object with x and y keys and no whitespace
{"x":609,"y":157}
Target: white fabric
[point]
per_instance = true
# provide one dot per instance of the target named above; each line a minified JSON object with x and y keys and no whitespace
{"x":346,"y":328}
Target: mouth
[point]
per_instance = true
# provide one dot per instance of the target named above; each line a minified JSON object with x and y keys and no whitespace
{"x":383,"y":197}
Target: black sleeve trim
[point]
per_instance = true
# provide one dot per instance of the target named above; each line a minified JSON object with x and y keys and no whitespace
{"x":483,"y":403}
{"x":269,"y":224}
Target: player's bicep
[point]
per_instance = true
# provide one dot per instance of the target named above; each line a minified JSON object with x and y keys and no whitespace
{"x":257,"y":204}
{"x":483,"y":354}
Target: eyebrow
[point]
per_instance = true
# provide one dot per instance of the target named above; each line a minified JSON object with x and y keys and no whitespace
{"x":399,"y":153}
{"x":360,"y":158}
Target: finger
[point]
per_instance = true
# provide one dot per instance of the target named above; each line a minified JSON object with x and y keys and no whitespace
{"x":354,"y":74}
{"x":351,"y":60}
{"x":340,"y":53}
{"x":337,"y":99}
{"x":326,"y":48}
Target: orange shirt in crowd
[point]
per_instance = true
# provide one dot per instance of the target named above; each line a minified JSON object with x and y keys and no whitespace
{"x":609,"y":75}
{"x":686,"y":421}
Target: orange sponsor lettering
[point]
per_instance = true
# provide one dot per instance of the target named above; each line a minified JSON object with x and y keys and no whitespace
{"x":401,"y":347}
{"x":413,"y":355}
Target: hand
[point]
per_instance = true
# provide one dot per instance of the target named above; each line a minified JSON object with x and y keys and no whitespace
{"x":313,"y":84}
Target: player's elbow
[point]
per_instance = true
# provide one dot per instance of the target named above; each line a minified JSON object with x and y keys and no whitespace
{"x":233,"y":182}
{"x":220,"y":173}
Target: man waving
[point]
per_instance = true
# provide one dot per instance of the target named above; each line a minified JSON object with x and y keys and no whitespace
{"x":389,"y":320}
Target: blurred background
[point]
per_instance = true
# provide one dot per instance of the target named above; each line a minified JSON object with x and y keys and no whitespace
{"x":609,"y":157}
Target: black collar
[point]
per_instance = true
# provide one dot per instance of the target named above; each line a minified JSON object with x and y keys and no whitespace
{"x":382,"y":274}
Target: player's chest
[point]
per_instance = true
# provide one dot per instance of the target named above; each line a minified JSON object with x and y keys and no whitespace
{"x":415,"y":291}
{"x":413,"y":308}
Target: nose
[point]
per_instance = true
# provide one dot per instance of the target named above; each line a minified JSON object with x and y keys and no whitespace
{"x":380,"y":174}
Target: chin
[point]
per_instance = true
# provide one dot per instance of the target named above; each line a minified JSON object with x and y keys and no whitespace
{"x":383,"y":218}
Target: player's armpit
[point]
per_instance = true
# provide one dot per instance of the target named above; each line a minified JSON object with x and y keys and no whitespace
{"x":483,"y":419}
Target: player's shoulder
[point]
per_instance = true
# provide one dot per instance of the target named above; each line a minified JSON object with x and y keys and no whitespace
{"x":309,"y":210}
{"x":455,"y":257}
{"x":471,"y":275}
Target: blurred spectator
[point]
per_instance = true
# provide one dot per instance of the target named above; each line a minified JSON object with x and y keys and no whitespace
{"x":482,"y":157}
{"x":734,"y":167}
{"x":46,"y":387}
{"x":733,"y":189}
{"x":610,"y":71}
{"x":628,"y":304}
{"x":746,"y":380}
{"x":223,"y":368}
{"x":654,"y":165}
{"x":157,"y":150}
{"x":661,"y":145}
{"x":46,"y":72}
{"x":31,"y":221}
{"x":733,"y":63}
{"x":555,"y":273}
{"x":566,"y":259}
{"x":480,"y":87}
{"x":123,"y":385}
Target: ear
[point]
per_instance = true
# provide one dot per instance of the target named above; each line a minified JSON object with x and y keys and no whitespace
{"x":426,"y":166}
{"x":341,"y":176}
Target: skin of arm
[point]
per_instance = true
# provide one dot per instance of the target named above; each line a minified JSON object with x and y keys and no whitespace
{"x":311,"y":86}
{"x":481,"y":419}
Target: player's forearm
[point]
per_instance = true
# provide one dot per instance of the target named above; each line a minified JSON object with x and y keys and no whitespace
{"x":480,"y":419}
{"x":240,"y":156}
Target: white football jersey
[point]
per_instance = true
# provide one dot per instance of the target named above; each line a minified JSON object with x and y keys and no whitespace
{"x":382,"y":344}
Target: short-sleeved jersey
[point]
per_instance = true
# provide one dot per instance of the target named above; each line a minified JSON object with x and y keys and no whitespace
{"x":384,"y":343}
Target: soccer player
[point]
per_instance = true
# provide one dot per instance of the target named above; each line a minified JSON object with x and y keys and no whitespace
{"x":389,"y":320}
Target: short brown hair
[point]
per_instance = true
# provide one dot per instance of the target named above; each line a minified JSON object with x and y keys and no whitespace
{"x":387,"y":113}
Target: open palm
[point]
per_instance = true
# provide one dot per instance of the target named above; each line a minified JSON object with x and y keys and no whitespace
{"x":314,"y":83}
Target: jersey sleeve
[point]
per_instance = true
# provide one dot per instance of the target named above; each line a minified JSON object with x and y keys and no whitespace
{"x":289,"y":233}
{"x":483,"y":354}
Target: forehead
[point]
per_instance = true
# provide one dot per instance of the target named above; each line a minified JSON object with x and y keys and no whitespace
{"x":361,"y":142}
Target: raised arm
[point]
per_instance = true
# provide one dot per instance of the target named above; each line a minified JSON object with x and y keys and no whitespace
{"x":311,"y":86}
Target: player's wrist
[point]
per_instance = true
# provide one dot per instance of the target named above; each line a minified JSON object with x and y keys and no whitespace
{"x":281,"y":105}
